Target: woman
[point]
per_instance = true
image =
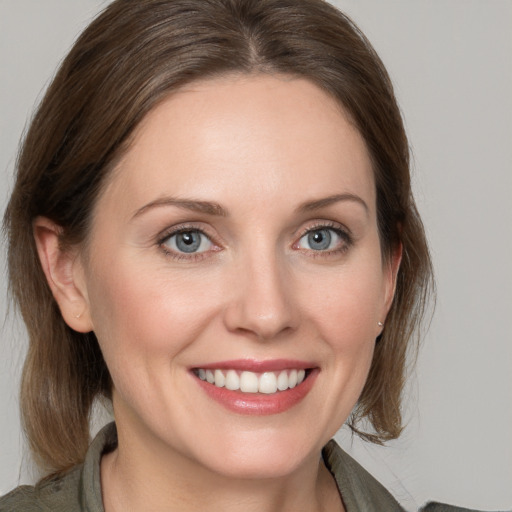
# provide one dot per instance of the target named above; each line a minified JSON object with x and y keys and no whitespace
{"x":213,"y":227}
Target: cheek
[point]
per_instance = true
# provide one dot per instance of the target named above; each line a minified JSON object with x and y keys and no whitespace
{"x":145,"y":325}
{"x":348,"y":304}
{"x":345,"y":309}
{"x":346,"y":326}
{"x":141,"y":317}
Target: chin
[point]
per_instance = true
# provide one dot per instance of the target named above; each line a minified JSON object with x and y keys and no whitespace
{"x":263,"y":455}
{"x":257,"y":468}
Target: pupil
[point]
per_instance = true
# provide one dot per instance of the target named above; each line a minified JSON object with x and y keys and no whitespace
{"x":188,"y":238}
{"x":188,"y":241}
{"x":320,"y":240}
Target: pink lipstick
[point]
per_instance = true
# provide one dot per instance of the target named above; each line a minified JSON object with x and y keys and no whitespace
{"x":253,"y":387}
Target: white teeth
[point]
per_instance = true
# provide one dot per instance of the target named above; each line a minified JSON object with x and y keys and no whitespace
{"x":292,"y":379}
{"x":250,"y":382}
{"x":220,"y":380}
{"x":232,"y":380}
{"x":268,"y":383}
{"x":282,"y":381}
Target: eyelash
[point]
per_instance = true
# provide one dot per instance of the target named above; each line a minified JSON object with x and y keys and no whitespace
{"x":343,"y":233}
{"x":331,"y":226}
{"x":162,"y":239}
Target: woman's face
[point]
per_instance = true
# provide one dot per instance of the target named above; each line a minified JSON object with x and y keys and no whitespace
{"x":237,"y":242}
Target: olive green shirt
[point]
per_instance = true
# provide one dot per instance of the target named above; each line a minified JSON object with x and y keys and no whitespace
{"x":80,"y":489}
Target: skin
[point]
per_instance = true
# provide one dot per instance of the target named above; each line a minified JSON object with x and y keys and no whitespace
{"x":260,"y":147}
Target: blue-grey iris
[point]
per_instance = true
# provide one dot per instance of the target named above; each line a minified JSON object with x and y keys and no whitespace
{"x":320,"y":239}
{"x":188,"y":241}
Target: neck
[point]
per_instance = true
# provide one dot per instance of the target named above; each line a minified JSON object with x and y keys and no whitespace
{"x":149,"y":478}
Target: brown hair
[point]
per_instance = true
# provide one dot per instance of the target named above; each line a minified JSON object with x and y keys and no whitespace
{"x":133,"y":55}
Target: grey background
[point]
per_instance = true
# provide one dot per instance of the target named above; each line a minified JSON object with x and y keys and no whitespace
{"x":451,"y":62}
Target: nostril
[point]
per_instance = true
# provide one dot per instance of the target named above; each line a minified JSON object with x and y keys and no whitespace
{"x":261,"y":304}
{"x":263,"y":327}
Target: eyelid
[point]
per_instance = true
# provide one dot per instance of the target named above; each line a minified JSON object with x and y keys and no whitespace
{"x":167,"y":233}
{"x":342,"y":231}
{"x":179,"y":228}
{"x":326,"y":224}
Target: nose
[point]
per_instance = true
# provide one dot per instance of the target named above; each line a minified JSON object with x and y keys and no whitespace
{"x":261,"y":300}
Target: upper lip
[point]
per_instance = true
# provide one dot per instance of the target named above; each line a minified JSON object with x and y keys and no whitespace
{"x":256,"y":366}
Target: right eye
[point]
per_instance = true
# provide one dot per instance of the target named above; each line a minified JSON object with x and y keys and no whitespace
{"x":188,"y":241}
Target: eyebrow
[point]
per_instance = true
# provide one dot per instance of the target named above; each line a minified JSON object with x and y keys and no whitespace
{"x":215,"y":209}
{"x":324,"y":202}
{"x":207,"y":207}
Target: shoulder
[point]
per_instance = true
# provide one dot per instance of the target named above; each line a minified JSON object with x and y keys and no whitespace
{"x":443,"y":507}
{"x":22,"y":498}
{"x":361,"y":491}
{"x":75,"y":491}
{"x":358,"y":488}
{"x":56,"y":495}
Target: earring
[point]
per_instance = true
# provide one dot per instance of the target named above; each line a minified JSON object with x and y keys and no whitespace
{"x":380,"y":324}
{"x":78,"y":316}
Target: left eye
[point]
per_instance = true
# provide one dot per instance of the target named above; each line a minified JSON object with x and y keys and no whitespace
{"x":190,"y":241}
{"x":322,"y":239}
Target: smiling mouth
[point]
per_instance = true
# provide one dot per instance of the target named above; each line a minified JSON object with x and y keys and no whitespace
{"x":267,"y":383}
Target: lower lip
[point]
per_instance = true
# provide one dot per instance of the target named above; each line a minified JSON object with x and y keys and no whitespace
{"x":259,"y":404}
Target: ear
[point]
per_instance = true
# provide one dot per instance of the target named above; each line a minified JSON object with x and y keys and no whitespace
{"x":392,"y":267}
{"x":65,"y":275}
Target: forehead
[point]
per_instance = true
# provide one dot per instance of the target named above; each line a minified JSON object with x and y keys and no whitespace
{"x":256,"y":135}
